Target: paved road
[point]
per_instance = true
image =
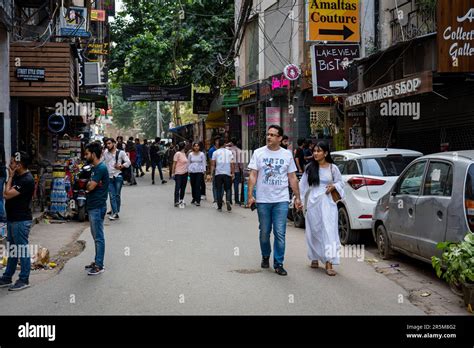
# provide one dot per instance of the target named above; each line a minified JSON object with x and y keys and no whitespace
{"x":182,"y":261}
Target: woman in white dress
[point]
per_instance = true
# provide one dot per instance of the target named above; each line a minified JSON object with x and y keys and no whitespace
{"x":320,"y":178}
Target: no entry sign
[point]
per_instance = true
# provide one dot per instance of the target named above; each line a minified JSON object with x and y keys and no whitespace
{"x":329,"y":67}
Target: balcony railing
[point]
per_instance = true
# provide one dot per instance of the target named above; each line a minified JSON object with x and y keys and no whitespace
{"x":419,"y":18}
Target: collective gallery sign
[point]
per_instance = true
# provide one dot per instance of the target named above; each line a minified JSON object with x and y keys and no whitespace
{"x":455,"y":21}
{"x":156,"y":93}
{"x":415,"y":84}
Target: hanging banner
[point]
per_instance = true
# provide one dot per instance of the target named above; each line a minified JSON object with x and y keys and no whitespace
{"x":156,"y":93}
{"x":202,"y":103}
{"x":98,"y":15}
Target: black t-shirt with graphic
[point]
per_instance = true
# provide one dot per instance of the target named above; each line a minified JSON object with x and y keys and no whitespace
{"x":19,"y":207}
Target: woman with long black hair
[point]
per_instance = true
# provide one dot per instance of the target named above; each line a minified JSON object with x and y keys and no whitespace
{"x":320,"y":178}
{"x":180,"y":174}
{"x":197,"y":169}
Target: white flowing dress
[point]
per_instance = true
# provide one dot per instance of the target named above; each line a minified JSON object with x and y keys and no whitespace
{"x":322,"y":236}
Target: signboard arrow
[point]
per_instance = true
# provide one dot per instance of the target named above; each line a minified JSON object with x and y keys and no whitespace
{"x":338,"y":84}
{"x":345,"y":32}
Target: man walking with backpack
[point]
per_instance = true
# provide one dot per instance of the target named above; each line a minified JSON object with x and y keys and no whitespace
{"x":115,"y":160}
{"x":156,"y":155}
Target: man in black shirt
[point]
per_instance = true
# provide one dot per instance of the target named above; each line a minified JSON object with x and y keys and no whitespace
{"x":18,"y":194}
{"x":156,"y":155}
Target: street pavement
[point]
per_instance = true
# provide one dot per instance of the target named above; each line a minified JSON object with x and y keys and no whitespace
{"x":165,"y":260}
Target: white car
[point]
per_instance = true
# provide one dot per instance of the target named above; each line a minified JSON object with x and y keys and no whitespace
{"x":368,"y":174}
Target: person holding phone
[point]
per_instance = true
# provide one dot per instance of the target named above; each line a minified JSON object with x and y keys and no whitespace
{"x":18,"y":194}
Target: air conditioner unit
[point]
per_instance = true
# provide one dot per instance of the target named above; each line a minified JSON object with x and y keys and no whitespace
{"x":92,"y":74}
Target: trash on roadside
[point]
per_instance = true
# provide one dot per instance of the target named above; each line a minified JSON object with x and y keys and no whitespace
{"x":52,"y":264}
{"x":425,"y":294}
{"x":41,"y":258}
{"x":371,"y":260}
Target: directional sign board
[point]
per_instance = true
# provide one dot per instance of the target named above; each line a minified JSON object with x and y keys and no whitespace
{"x":333,"y":20}
{"x":329,"y":65}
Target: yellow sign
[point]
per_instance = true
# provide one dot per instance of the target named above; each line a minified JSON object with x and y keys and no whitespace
{"x":333,"y":20}
{"x":247,"y":94}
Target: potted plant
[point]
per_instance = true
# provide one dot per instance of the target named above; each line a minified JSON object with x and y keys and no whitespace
{"x":456,"y":266}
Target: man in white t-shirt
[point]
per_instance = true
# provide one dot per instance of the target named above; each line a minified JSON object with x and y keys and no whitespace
{"x":272,"y":168}
{"x":223,"y":162}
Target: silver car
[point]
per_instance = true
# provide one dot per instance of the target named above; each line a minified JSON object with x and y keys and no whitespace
{"x":432,"y":201}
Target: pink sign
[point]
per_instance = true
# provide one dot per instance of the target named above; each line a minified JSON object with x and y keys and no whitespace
{"x":281,"y":82}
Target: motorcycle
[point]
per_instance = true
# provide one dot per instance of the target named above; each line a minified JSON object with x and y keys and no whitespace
{"x":79,"y":192}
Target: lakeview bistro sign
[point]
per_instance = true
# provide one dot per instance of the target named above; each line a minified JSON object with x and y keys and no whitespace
{"x":412,"y":85}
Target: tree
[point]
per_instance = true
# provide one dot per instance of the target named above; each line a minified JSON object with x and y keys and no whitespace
{"x":153,"y":45}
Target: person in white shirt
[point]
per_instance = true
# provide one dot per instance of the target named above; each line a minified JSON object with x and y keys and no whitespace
{"x":115,"y":160}
{"x":223,"y":163}
{"x":271,"y":169}
{"x":196,"y":170}
{"x":237,"y":153}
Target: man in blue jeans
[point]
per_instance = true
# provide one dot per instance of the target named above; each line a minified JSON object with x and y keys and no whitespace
{"x":18,"y":194}
{"x":97,"y":190}
{"x":115,"y":160}
{"x":271,"y":169}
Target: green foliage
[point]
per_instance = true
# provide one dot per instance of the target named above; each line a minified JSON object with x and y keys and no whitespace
{"x":458,"y":258}
{"x":162,"y":48}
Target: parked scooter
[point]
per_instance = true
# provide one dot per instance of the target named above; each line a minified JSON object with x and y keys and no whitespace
{"x":79,"y":189}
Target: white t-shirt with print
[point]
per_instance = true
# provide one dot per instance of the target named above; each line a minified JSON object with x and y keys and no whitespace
{"x":273,"y":168}
{"x":223,"y":158}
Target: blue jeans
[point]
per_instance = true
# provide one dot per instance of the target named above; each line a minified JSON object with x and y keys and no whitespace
{"x":237,"y":178}
{"x":158,"y":164}
{"x":17,"y":238}
{"x":273,"y":214}
{"x":115,"y":189}
{"x":3,"y":216}
{"x":214,"y":189}
{"x":96,"y":219}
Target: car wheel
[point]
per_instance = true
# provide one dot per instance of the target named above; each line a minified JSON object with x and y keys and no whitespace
{"x":298,"y":219}
{"x":346,"y":234}
{"x":383,"y":244}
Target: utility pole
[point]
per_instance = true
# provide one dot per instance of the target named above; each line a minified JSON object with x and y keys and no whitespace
{"x":158,"y":119}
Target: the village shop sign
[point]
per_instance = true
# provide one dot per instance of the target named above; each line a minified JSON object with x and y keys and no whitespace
{"x":248,"y":94}
{"x":415,"y":84}
{"x":455,"y":39}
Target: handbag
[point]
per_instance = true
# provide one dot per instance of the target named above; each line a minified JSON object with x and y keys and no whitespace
{"x":125,"y":172}
{"x":336,"y":197}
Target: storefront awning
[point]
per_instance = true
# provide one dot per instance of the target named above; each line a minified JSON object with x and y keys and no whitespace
{"x":215,"y":119}
{"x":176,"y":129}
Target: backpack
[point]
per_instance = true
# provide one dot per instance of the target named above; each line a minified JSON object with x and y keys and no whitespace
{"x":126,"y":172}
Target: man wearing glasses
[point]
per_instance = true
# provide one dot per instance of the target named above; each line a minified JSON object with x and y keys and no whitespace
{"x":272,"y":168}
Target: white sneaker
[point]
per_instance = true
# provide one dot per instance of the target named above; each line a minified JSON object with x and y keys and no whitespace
{"x":182,"y":205}
{"x":203,"y":198}
{"x":114,"y":217}
{"x":214,"y":205}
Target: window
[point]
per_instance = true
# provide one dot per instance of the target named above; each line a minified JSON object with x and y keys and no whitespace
{"x":469,"y":197}
{"x":346,"y":167}
{"x":410,"y":183}
{"x":439,"y":180}
{"x":385,"y":166}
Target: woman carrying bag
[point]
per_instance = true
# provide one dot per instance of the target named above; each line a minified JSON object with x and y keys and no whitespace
{"x":320,"y":187}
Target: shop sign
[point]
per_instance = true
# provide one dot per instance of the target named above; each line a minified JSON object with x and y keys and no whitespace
{"x":415,"y":84}
{"x":56,"y":123}
{"x":333,"y":20}
{"x":247,"y":94}
{"x":251,"y":120}
{"x":202,"y":103}
{"x":330,"y":63}
{"x":280,"y":82}
{"x":455,"y":39}
{"x":265,"y":90}
{"x":73,"y":22}
{"x":356,"y":137}
{"x":156,"y":93}
{"x":98,"y":15}
{"x":292,"y":72}
{"x":99,"y":48}
{"x":30,"y":74}
{"x":356,"y":113}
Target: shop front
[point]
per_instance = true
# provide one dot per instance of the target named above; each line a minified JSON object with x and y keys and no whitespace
{"x":253,"y":121}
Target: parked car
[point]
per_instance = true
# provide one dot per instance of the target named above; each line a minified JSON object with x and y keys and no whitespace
{"x":368,"y":174}
{"x":431,"y":202}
